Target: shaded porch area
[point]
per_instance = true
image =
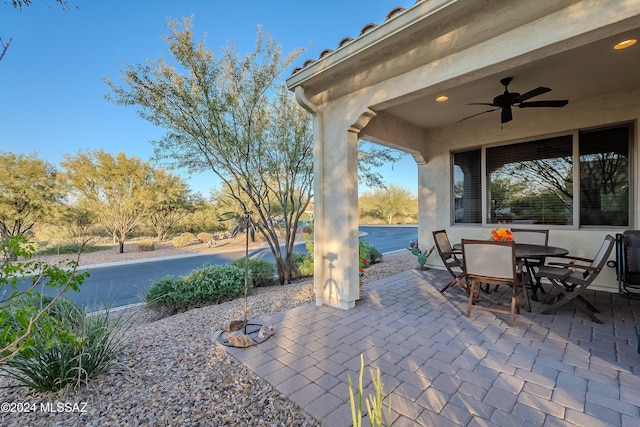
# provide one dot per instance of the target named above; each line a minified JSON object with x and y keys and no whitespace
{"x":443,"y":369}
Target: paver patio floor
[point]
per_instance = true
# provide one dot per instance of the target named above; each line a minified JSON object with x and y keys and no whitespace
{"x":444,"y":369}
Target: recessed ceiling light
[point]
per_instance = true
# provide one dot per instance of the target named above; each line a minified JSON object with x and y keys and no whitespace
{"x":625,"y":44}
{"x":442,"y":98}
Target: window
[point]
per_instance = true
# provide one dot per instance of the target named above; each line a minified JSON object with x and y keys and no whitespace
{"x":467,"y":187}
{"x":533,"y":182}
{"x":604,"y":177}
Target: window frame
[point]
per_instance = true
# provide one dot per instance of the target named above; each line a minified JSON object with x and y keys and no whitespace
{"x":575,"y":146}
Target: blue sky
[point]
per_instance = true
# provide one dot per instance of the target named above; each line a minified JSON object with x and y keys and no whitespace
{"x":51,"y":78}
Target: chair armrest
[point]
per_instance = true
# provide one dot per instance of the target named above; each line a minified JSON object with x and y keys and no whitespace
{"x":573,"y":259}
{"x":571,"y":268}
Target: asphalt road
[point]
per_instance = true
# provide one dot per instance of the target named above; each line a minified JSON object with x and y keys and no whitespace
{"x":119,"y":285}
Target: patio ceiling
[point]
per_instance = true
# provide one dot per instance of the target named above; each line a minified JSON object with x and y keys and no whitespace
{"x":577,"y":74}
{"x":576,"y":65}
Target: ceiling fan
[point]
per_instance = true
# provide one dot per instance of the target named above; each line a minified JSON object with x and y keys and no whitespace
{"x":508,"y":99}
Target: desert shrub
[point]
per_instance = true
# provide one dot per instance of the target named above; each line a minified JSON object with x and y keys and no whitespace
{"x":368,"y":252}
{"x":70,"y":249}
{"x":146,"y":245}
{"x":205,"y":285}
{"x":302,"y":265}
{"x":183,"y":240}
{"x":17,"y":312}
{"x":69,"y":352}
{"x":204,"y":237}
{"x":261,"y":271}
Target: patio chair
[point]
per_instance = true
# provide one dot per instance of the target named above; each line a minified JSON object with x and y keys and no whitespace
{"x":451,"y":259}
{"x":532,"y":237}
{"x":572,"y":278}
{"x":492,"y":262}
{"x":628,"y":263}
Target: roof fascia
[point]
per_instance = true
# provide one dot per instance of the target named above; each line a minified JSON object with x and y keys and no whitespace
{"x":425,"y":10}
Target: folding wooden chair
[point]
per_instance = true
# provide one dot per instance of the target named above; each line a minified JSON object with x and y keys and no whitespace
{"x":571,"y":279}
{"x":532,"y":237}
{"x":451,"y":259}
{"x":492,"y":262}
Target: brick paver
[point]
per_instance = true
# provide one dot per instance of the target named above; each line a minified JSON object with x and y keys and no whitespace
{"x":443,"y":369}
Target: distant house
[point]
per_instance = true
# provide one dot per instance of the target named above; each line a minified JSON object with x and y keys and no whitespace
{"x":433,"y":80}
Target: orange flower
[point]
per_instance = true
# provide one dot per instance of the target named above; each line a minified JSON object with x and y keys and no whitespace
{"x":501,"y":234}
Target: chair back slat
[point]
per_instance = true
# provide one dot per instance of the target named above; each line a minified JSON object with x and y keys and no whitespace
{"x":442,"y":241}
{"x":530,"y":237}
{"x":603,"y":254}
{"x":487,"y":258}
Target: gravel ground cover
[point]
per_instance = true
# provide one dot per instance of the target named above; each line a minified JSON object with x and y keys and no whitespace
{"x":176,"y":375}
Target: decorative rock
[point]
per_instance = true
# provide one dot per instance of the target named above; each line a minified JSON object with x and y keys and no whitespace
{"x":238,"y":339}
{"x":233,"y":325}
{"x":266,"y":331}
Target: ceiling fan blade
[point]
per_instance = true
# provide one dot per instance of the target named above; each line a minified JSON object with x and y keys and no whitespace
{"x":557,"y":103}
{"x":506,"y":114}
{"x":527,"y":95}
{"x":488,"y":111}
{"x":484,"y":103}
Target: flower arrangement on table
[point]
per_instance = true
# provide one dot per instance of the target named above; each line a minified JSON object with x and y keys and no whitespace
{"x":503,"y":234}
{"x":422,"y":255}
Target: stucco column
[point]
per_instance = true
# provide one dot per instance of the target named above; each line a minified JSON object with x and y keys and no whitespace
{"x":336,"y":211}
{"x":426,"y":205}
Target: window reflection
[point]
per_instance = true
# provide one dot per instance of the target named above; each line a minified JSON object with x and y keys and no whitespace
{"x":604,"y":177}
{"x":531,"y":182}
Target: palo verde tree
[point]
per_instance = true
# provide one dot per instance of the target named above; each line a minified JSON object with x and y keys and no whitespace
{"x":114,"y":188}
{"x":227,"y":114}
{"x":28,"y":191}
{"x":171,"y":202}
{"x":387,"y":203}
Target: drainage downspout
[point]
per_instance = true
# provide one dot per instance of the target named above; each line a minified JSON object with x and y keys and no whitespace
{"x":318,"y":191}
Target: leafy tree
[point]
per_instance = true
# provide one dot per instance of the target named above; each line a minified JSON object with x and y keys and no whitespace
{"x":371,"y":156}
{"x":170,"y":202}
{"x":387,"y":203}
{"x":77,"y":223}
{"x":28,"y":190}
{"x":116,"y":189}
{"x":204,"y":217}
{"x":228,"y":115}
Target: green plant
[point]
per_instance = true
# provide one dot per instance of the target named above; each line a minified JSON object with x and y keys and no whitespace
{"x":368,"y":252}
{"x":303,"y":262}
{"x":146,"y":245}
{"x":26,"y":311}
{"x":374,"y":403}
{"x":302,"y":265}
{"x":183,"y":240}
{"x":421,"y":254}
{"x":261,"y":271}
{"x":205,"y":285}
{"x":77,"y":348}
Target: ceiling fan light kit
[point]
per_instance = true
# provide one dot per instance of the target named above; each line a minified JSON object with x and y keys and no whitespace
{"x":507,"y":99}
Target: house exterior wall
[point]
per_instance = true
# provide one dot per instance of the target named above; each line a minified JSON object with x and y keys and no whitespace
{"x":435,"y":176}
{"x":435,"y":46}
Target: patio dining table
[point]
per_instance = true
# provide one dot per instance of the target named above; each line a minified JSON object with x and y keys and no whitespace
{"x":528,"y":251}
